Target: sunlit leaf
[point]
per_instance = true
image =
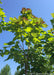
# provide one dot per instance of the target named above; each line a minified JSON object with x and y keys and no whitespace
{"x":52,"y":14}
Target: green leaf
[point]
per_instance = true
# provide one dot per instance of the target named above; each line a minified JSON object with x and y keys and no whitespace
{"x":9,"y":57}
{"x":0,"y":2}
{"x":51,"y":39}
{"x":28,"y":29}
{"x":11,"y":18}
{"x":10,"y":43}
{"x":0,"y":30}
{"x":52,"y":14}
{"x":5,"y":43}
{"x":18,"y":67}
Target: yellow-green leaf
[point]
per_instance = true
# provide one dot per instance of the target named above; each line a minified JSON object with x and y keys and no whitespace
{"x":28,"y":29}
{"x":5,"y":44}
{"x":52,"y":14}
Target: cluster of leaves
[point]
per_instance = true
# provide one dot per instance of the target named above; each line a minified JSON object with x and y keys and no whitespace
{"x":52,"y":21}
{"x":0,"y":2}
{"x":49,"y":46}
{"x":5,"y":70}
{"x":28,"y":30}
{"x":2,"y":15}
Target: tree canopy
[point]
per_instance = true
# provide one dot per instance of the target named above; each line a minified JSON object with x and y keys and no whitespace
{"x":32,"y":47}
{"x":6,"y":70}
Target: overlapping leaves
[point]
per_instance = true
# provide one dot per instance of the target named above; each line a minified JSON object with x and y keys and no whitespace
{"x":27,"y":28}
{"x":2,"y":16}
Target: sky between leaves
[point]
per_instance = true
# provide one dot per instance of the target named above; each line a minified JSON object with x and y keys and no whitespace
{"x":12,"y":8}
